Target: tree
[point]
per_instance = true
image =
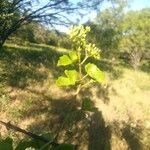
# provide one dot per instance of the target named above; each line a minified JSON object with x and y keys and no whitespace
{"x":136,"y":35}
{"x":16,"y":13}
{"x":28,"y":33}
{"x":106,"y":31}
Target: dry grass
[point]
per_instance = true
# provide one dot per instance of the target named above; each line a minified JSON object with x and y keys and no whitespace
{"x":129,"y":108}
{"x":30,"y":99}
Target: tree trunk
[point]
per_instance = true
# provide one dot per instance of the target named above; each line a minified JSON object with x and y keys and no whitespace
{"x":135,"y":59}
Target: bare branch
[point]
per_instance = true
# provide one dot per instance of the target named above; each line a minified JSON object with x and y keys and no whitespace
{"x":30,"y":134}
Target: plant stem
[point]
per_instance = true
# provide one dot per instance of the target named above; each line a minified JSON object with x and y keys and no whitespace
{"x":83,"y":78}
{"x":86,"y":57}
{"x":78,"y":90}
{"x":79,"y":64}
{"x":80,"y":70}
{"x":89,"y":82}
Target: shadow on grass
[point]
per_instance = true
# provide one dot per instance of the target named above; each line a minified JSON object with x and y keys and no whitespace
{"x":97,"y":91}
{"x":131,"y":136}
{"x":63,"y":119}
{"x":99,"y":134}
{"x":21,"y":65}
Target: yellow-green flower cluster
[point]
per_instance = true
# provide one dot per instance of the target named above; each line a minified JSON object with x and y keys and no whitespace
{"x":93,"y":51}
{"x":78,"y":37}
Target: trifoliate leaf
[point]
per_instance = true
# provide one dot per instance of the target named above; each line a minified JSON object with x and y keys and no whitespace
{"x":94,"y":72}
{"x":63,"y":81}
{"x":73,"y":56}
{"x":69,"y":80}
{"x":71,"y":74}
{"x":64,"y":61}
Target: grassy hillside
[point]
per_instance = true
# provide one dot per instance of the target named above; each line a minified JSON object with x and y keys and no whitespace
{"x":30,"y":99}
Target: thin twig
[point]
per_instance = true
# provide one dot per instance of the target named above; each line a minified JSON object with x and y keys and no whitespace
{"x":32,"y":135}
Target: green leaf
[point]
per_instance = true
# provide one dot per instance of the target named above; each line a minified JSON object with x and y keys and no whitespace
{"x":88,"y":105}
{"x":65,"y":147}
{"x":26,"y":144}
{"x":63,"y":81}
{"x":67,"y":60}
{"x":64,"y":61}
{"x":94,"y":72}
{"x":73,"y":56}
{"x":6,"y":144}
{"x":69,"y":80}
{"x":34,"y":143}
{"x":72,"y":75}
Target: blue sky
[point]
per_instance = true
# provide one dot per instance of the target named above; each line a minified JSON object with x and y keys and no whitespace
{"x":135,"y":4}
{"x":139,"y":4}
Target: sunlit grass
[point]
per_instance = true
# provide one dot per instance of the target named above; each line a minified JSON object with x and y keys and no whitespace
{"x":129,"y":105}
{"x":36,"y":47}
